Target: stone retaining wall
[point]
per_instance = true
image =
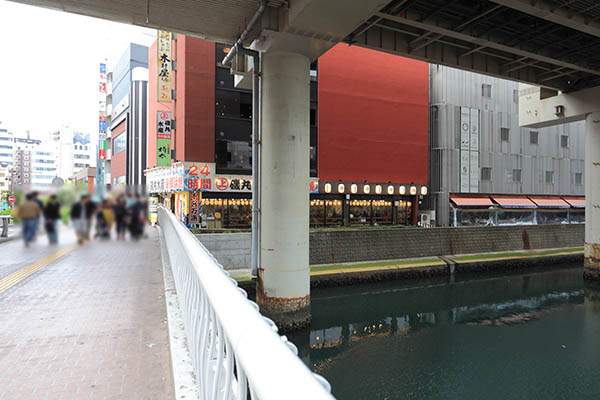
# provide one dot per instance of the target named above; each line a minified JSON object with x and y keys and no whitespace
{"x":340,"y":246}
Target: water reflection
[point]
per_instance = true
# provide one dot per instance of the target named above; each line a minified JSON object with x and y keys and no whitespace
{"x":452,"y":339}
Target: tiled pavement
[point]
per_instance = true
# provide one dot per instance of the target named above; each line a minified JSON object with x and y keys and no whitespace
{"x":90,"y":325}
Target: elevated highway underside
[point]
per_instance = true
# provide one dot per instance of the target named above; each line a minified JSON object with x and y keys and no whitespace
{"x":551,"y":43}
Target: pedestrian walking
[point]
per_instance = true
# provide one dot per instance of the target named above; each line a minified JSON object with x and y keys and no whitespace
{"x":78,"y":218}
{"x":29,"y":212}
{"x":89,"y":212}
{"x":104,"y":220}
{"x":38,"y":219}
{"x":51,"y":218}
{"x":120,"y":213}
{"x":135,"y":212}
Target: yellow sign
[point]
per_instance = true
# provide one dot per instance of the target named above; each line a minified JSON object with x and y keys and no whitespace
{"x":164,"y":68}
{"x":218,"y":215}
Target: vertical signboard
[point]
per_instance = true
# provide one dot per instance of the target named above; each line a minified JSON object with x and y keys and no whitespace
{"x":101,"y":129}
{"x":474,"y":152}
{"x":164,"y":70}
{"x":163,"y":138}
{"x":465,"y":130}
{"x":194,"y":207}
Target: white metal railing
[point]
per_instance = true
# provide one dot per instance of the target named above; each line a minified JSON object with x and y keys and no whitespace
{"x":237,"y":353}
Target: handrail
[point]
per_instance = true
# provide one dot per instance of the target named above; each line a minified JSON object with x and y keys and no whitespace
{"x":233,"y":347}
{"x":6,"y":220}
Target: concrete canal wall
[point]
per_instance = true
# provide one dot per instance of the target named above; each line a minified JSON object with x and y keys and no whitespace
{"x":345,"y":246}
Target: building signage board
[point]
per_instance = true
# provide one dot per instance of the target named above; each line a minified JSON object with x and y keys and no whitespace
{"x":195,"y":207}
{"x":474,"y":150}
{"x":164,"y":66}
{"x":465,"y":130}
{"x":163,"y":138}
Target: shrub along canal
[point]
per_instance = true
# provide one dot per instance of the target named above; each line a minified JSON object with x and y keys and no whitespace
{"x":527,"y":335}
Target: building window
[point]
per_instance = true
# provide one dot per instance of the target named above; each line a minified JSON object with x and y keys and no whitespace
{"x":504,"y":134}
{"x":119,"y":143}
{"x":486,"y":174}
{"x":516,"y":96}
{"x":534,"y":137}
{"x":549,"y":176}
{"x":564,"y":141}
{"x":578,"y":178}
{"x":234,"y":156}
{"x":486,"y":90}
{"x":516,"y":175}
{"x":231,"y":104}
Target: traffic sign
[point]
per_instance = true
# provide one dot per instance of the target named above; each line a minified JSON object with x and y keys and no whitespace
{"x":11,"y":199}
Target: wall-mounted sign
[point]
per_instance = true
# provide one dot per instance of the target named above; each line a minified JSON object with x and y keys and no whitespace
{"x":164,"y":66}
{"x":195,"y":207}
{"x":163,"y":138}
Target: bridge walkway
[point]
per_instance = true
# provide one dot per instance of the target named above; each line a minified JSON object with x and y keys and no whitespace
{"x":83,"y":322}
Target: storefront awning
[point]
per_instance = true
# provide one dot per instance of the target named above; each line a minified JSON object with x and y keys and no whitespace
{"x":550,"y":202}
{"x":577,"y":202}
{"x":514,"y":202}
{"x":471,"y":201}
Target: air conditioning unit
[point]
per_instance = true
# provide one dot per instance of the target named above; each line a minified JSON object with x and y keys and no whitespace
{"x":427,"y":218}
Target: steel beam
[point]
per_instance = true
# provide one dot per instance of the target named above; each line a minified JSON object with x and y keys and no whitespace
{"x":549,"y":12}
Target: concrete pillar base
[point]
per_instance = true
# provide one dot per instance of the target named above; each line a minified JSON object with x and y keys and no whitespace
{"x":290,"y":314}
{"x":591,"y":267}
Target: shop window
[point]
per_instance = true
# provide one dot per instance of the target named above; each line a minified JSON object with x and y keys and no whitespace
{"x":578,"y":178}
{"x":360,"y":212}
{"x":486,"y":90}
{"x":549,"y":176}
{"x":404,"y":212}
{"x":382,"y":212}
{"x":564,"y":141}
{"x":516,"y":175}
{"x":552,"y":217}
{"x":534,"y":137}
{"x":504,"y":134}
{"x":474,"y":217}
{"x":317,"y":213}
{"x":486,"y":173}
{"x":515,"y":217}
{"x":577,"y":217}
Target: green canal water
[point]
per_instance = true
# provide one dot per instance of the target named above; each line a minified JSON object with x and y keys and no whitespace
{"x":533,"y":335}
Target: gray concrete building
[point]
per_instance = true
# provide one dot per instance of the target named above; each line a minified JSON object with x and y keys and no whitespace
{"x":477,"y":146}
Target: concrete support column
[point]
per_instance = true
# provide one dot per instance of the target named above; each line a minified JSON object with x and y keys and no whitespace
{"x":283,"y":287}
{"x":592,"y":197}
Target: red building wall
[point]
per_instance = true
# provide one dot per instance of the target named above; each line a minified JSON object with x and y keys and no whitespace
{"x":118,"y":162}
{"x":372,"y":117}
{"x":194,"y":106}
{"x":196,"y":83}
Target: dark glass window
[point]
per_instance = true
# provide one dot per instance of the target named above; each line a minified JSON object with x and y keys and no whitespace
{"x":232,"y":104}
{"x":119,"y":143}
{"x":233,"y":156}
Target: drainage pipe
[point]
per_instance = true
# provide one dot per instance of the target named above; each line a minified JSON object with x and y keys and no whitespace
{"x":240,"y":41}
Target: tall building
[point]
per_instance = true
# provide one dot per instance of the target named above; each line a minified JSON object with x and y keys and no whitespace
{"x":73,"y":151}
{"x":6,"y":146}
{"x":478,"y":148}
{"x":34,"y":163}
{"x":126,"y":117}
{"x":367,"y":150}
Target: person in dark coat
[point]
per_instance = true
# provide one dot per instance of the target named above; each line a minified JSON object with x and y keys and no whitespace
{"x":51,"y":218}
{"x":120,"y":211}
{"x":135,"y":213}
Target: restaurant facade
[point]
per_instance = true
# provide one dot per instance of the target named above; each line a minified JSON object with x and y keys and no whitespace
{"x":368,"y":139}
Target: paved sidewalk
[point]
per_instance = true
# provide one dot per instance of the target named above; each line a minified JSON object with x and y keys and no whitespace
{"x":89,"y":325}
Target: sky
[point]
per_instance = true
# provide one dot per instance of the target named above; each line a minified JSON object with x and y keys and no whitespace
{"x":50,"y":67}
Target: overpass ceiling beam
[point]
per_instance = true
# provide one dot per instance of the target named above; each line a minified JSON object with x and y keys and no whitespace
{"x":428,"y":27}
{"x":548,"y":11}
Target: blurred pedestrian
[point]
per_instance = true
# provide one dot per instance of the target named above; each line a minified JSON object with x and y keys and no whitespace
{"x":104,"y":220}
{"x":51,"y":217}
{"x":135,"y":211}
{"x":29,"y":212}
{"x":79,"y":219}
{"x":120,"y":214}
{"x":89,"y":212}
{"x":38,"y":219}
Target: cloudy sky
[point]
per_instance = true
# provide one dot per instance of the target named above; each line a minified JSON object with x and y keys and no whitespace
{"x":50,"y":62}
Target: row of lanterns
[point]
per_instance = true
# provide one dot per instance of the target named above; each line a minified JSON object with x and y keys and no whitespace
{"x":378,"y":189}
{"x":232,"y":202}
